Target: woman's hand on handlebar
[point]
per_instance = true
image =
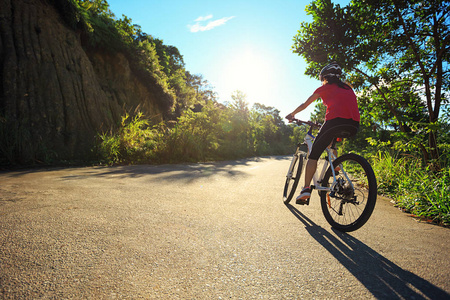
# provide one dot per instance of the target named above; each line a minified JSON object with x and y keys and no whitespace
{"x":290,"y":117}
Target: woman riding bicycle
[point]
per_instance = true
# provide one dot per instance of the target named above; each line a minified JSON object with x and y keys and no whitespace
{"x":341,"y":119}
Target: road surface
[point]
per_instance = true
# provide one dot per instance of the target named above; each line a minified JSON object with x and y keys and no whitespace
{"x":202,"y":231}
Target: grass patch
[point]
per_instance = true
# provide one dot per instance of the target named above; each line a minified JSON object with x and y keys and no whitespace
{"x":134,"y":142}
{"x":415,"y":188}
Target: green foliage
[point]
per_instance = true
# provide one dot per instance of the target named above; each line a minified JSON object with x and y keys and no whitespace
{"x":318,"y":116}
{"x":160,"y":67}
{"x":214,"y":132}
{"x":135,"y":142}
{"x":415,"y":188}
{"x":395,"y":54}
{"x":194,"y":136}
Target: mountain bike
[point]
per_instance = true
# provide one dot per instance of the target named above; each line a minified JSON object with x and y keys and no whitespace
{"x":347,"y":185}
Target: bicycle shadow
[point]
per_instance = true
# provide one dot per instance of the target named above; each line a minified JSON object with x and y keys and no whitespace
{"x":383,"y":278}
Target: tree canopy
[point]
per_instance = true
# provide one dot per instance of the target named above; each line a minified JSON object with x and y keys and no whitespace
{"x":153,"y":61}
{"x":395,"y":53}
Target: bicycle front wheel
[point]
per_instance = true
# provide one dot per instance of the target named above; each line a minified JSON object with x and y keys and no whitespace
{"x":351,"y":202}
{"x":292,"y":178}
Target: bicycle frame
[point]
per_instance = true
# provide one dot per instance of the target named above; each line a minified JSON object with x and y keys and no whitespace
{"x":346,"y":204}
{"x":317,"y":180}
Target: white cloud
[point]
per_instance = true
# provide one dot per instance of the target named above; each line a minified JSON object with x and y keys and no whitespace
{"x":210,"y":25}
{"x":199,"y":19}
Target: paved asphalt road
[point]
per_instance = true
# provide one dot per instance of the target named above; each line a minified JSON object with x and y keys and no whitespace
{"x":202,"y":231}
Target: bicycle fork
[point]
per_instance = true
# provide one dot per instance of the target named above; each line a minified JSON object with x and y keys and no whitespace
{"x":293,"y":161}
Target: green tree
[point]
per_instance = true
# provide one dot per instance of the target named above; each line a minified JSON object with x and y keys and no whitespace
{"x":266,"y":130}
{"x":318,"y":115}
{"x":236,"y":119}
{"x":396,"y":54}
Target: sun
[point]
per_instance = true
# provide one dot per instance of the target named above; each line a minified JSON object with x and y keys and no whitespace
{"x":250,"y":72}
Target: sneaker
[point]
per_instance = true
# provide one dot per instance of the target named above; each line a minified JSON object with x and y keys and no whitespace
{"x":304,"y":196}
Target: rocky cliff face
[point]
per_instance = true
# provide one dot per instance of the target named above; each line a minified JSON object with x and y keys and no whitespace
{"x":54,"y":96}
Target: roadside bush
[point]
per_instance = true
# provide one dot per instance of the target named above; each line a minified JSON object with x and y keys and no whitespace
{"x":415,"y":188}
{"x":134,"y":142}
{"x":214,"y":132}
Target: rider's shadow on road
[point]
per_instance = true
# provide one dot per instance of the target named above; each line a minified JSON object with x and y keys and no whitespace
{"x":383,"y":278}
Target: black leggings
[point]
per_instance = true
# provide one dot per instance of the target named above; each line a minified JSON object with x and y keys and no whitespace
{"x":335,"y":128}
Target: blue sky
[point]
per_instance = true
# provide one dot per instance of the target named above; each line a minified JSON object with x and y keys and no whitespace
{"x":235,"y":45}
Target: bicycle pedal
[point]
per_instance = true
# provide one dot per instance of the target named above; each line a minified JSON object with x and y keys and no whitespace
{"x":302,"y":202}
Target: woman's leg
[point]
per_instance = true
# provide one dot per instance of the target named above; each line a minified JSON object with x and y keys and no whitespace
{"x":324,"y":138}
{"x":310,"y":169}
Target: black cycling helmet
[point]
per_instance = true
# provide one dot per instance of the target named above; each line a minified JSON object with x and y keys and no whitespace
{"x":332,"y":70}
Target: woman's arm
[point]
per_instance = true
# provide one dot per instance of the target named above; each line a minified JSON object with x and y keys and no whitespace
{"x":304,"y":105}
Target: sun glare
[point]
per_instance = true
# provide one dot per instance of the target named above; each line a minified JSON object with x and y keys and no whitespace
{"x":250,"y":72}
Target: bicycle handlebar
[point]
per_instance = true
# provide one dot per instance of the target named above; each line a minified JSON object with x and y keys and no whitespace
{"x":300,"y":122}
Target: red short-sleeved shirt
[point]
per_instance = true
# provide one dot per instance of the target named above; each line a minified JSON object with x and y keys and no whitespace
{"x":340,"y":102}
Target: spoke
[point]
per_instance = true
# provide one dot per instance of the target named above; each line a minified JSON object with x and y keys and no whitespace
{"x":351,"y":209}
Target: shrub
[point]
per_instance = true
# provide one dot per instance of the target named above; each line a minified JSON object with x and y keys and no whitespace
{"x":415,"y":188}
{"x":134,"y":142}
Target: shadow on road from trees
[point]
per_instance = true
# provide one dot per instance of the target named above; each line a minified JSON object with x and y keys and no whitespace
{"x":188,"y":172}
{"x":383,"y":278}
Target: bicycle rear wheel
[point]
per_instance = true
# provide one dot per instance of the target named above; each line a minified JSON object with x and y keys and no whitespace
{"x":292,"y":178}
{"x":352,"y":201}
